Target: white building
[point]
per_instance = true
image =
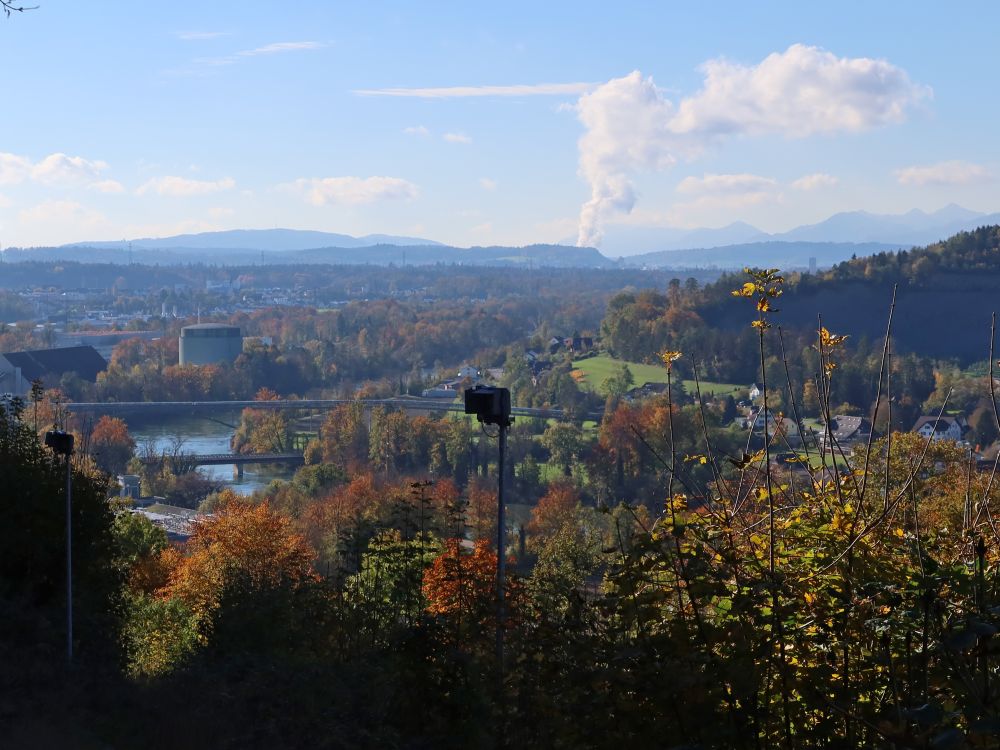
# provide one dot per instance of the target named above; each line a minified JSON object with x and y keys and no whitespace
{"x":940,"y":428}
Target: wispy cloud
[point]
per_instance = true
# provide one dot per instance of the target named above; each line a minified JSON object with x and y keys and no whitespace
{"x":457,"y":138}
{"x":268,"y":49}
{"x":277,"y":47}
{"x":56,"y":212}
{"x":454,"y":92}
{"x":487,"y":184}
{"x":944,"y":173}
{"x":320,"y":191}
{"x":54,"y":170}
{"x":725,"y":184}
{"x":197,"y":36}
{"x":715,"y":192}
{"x":182,"y":187}
{"x":815,"y":181}
{"x":417,"y":130}
{"x":107,"y":186}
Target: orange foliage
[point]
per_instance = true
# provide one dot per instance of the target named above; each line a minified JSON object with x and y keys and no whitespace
{"x":555,"y":508}
{"x":242,"y":543}
{"x":481,"y":515}
{"x":462,"y":585}
{"x":110,"y":444}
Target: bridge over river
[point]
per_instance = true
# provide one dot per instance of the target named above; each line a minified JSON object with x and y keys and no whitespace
{"x":237,"y":460}
{"x":202,"y":407}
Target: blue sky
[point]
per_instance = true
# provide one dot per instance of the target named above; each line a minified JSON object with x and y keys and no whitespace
{"x":126,"y":119}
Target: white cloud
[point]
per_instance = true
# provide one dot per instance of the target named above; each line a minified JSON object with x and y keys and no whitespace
{"x":267,"y":49}
{"x":487,"y":184}
{"x":5,"y":202}
{"x":630,"y":125}
{"x":276,"y":47}
{"x":107,"y":186}
{"x":815,"y":181}
{"x":220,"y":212}
{"x":54,"y":170}
{"x":55,"y":213}
{"x":417,"y":130}
{"x":320,"y":191}
{"x":485,"y":228}
{"x":457,"y":138}
{"x":944,"y":173}
{"x":182,"y":187}
{"x":715,"y":193}
{"x":196,"y":36}
{"x":13,"y":169}
{"x":798,"y":92}
{"x":726,"y":184}
{"x":450,"y":92}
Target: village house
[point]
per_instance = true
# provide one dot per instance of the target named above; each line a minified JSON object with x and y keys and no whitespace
{"x":845,"y":431}
{"x":577,"y":344}
{"x":941,"y":428}
{"x":645,"y":391}
{"x":756,"y":418}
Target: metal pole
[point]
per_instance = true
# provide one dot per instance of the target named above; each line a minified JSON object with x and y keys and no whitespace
{"x":501,"y":551}
{"x":69,"y":558}
{"x":501,"y":580}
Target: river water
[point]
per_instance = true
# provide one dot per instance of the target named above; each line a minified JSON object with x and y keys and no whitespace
{"x":203,"y":435}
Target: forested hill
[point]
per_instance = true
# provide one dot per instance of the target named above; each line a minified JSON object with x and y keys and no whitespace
{"x":946,"y":295}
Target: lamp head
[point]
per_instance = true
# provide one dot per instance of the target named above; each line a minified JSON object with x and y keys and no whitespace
{"x":490,"y":405}
{"x":60,"y":442}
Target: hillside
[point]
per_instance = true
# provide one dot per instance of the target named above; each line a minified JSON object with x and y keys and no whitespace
{"x":553,"y":256}
{"x":772,"y":253}
{"x":946,"y":295}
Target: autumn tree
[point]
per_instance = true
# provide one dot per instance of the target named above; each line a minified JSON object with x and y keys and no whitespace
{"x":111,"y":445}
{"x":243,"y":585}
{"x":556,"y":508}
{"x":460,"y":587}
{"x":564,"y":441}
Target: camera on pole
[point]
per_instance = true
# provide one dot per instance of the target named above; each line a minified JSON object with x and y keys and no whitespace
{"x":490,"y":405}
{"x":60,"y":442}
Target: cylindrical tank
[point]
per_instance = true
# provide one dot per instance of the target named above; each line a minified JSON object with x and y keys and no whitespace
{"x":209,"y":343}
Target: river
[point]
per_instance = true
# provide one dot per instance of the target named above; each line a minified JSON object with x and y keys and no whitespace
{"x":202,"y":435}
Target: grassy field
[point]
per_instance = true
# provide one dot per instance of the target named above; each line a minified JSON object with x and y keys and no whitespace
{"x":595,"y":370}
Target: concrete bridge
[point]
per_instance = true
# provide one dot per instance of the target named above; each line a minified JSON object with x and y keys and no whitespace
{"x":201,"y":407}
{"x":238,"y":460}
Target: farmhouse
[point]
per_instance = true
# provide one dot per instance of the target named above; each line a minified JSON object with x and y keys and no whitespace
{"x":845,"y":431}
{"x":941,"y":427}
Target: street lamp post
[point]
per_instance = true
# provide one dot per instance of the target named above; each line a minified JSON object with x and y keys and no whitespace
{"x":62,"y":443}
{"x":492,"y":406}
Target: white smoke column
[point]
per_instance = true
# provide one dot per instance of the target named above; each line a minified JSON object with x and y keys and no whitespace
{"x":626,"y":121}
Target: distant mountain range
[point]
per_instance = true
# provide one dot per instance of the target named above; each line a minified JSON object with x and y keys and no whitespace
{"x":257,"y":240}
{"x":913,"y":228}
{"x":838,"y":238}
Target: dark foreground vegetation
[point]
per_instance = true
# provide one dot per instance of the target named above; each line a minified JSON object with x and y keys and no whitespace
{"x":849,"y":600}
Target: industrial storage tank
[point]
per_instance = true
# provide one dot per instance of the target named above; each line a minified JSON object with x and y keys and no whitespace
{"x":209,"y":344}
